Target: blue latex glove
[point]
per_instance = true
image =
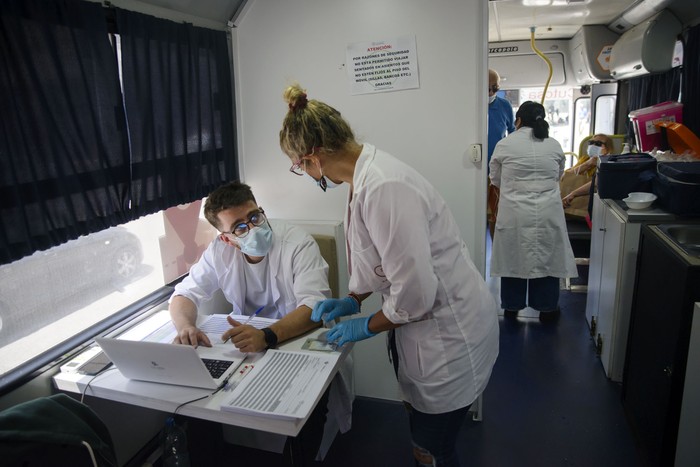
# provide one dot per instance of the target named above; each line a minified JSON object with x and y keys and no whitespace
{"x":332,"y":308}
{"x":351,"y":330}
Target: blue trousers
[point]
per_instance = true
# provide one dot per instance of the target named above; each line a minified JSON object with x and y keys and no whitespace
{"x":542,"y":293}
{"x":434,"y":436}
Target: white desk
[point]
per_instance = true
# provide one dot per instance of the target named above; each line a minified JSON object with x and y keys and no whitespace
{"x":113,"y":386}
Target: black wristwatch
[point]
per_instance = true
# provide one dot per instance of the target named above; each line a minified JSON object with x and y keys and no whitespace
{"x":270,"y":337}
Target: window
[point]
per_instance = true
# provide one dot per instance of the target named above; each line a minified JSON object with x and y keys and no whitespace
{"x":582,"y":121}
{"x":559,"y":106}
{"x":52,"y":295}
{"x":605,"y":115}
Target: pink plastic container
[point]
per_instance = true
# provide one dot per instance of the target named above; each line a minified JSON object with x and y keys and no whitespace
{"x":648,"y":136}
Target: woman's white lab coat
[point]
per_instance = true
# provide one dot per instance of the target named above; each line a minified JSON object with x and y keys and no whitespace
{"x":531,"y":239}
{"x":404,"y":243}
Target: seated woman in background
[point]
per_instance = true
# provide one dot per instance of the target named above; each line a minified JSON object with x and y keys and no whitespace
{"x":598,"y":145}
{"x":531,"y":249}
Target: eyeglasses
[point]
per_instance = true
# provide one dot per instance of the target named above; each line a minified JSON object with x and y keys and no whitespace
{"x":494,"y":88}
{"x":256,"y":219}
{"x":596,"y":143}
{"x":297,"y":168}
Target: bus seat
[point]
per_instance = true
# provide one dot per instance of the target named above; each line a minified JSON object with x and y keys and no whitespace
{"x":618,"y":141}
{"x":54,"y":430}
{"x":580,"y":238}
{"x":326,"y":243}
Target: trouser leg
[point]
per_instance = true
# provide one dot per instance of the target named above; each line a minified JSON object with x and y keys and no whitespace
{"x":434,"y":436}
{"x":543,"y":293}
{"x":302,"y":449}
{"x":513,"y":292}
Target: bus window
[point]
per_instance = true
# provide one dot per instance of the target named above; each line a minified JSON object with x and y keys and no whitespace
{"x":582,"y":122}
{"x":559,"y":106}
{"x":605,"y":115}
{"x":52,"y":295}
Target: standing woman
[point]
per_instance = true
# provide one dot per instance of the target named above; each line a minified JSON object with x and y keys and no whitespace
{"x":404,"y":243}
{"x":531,"y":248}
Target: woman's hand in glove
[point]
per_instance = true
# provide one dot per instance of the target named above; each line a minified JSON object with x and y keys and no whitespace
{"x":351,"y":330}
{"x":332,"y":308}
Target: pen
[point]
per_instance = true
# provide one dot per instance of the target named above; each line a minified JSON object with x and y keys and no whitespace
{"x":250,"y":318}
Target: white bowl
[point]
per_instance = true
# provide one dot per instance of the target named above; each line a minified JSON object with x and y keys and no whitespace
{"x":639,"y":200}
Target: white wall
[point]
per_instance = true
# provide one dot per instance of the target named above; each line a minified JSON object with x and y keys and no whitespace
{"x":281,"y":41}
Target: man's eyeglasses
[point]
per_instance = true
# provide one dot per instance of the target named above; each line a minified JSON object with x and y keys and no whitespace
{"x":596,"y":143}
{"x":494,"y":88}
{"x":256,"y":219}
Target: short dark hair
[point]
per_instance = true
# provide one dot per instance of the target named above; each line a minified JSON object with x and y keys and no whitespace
{"x":227,"y":196}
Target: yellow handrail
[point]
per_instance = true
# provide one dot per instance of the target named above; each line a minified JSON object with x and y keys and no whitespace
{"x":544,"y":57}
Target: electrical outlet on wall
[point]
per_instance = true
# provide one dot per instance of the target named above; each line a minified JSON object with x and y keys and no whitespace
{"x":475,"y":152}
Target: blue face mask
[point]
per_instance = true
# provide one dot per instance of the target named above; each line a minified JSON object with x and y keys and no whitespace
{"x":258,"y":241}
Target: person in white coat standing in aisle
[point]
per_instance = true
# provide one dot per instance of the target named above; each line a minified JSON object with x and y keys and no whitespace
{"x":403,"y":243}
{"x":531,"y":248}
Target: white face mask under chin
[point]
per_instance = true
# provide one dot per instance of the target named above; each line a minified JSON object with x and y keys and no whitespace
{"x":594,"y":151}
{"x":492,"y":99}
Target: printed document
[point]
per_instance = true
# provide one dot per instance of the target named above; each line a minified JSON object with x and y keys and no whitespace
{"x":283,"y":384}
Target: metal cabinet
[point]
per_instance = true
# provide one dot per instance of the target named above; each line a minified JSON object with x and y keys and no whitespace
{"x":653,"y":392}
{"x":614,"y":245}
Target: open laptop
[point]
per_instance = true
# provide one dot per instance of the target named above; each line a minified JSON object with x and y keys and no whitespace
{"x":203,"y":367}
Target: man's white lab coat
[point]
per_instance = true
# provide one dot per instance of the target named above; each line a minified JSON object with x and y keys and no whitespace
{"x":298,"y":273}
{"x":531,"y":239}
{"x":404,"y":243}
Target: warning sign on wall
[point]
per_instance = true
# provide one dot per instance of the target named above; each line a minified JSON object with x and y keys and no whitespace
{"x":381,"y":66}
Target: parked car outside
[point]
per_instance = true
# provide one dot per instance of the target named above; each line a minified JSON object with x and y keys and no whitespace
{"x":94,"y":266}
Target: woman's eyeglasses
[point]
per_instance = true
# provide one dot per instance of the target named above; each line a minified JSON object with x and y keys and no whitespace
{"x":596,"y":143}
{"x":297,"y":168}
{"x":256,"y":219}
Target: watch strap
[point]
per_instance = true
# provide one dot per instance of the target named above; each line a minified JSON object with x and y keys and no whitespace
{"x":270,"y":337}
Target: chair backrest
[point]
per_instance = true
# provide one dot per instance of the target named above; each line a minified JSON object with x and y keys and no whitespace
{"x":54,"y":430}
{"x":326,"y":243}
{"x":617,"y":140}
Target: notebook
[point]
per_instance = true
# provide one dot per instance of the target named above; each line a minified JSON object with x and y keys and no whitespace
{"x":182,"y":365}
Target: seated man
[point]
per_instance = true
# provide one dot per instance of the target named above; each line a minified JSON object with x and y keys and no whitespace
{"x":278,"y":269}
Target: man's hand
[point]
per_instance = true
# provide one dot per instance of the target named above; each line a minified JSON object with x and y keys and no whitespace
{"x":332,"y":308}
{"x":351,"y":330}
{"x":245,"y":338}
{"x":192,"y":335}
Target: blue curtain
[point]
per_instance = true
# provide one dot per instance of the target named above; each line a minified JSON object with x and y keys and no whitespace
{"x":76,"y":155}
{"x":177,"y":92}
{"x":64,"y":161}
{"x":691,"y":78}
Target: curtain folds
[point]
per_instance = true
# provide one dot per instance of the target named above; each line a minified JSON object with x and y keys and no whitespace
{"x":177,"y":92}
{"x":691,"y":78}
{"x":80,"y":150}
{"x":64,"y":162}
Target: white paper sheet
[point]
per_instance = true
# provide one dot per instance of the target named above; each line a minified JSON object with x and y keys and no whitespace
{"x":212,"y":325}
{"x":283,"y":384}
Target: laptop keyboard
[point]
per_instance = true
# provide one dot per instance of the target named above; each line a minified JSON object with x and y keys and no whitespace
{"x":216,"y":367}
